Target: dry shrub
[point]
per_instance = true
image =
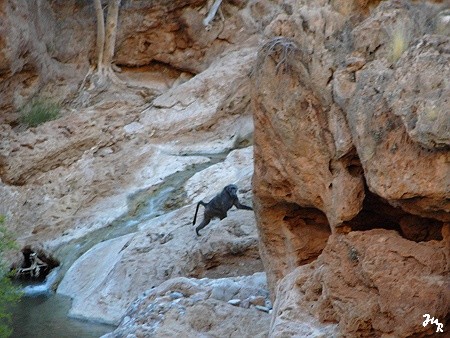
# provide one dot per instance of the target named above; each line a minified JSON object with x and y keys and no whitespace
{"x":282,"y":50}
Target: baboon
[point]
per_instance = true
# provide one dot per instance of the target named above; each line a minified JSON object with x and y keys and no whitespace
{"x":219,"y":206}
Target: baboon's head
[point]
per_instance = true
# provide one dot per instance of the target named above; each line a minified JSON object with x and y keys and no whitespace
{"x":231,"y":189}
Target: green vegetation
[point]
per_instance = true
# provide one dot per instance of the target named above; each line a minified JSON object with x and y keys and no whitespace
{"x":9,"y":294}
{"x":39,"y":111}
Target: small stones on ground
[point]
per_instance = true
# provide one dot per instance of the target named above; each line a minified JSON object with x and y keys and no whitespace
{"x":200,"y":296}
{"x":257,"y":300}
{"x":245,"y":303}
{"x":176,"y":295}
{"x":166,"y":238}
{"x":262,"y":308}
{"x":234,"y":302}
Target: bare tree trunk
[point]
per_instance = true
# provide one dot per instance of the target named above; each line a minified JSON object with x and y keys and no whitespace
{"x":100,"y":79}
{"x":212,"y":12}
{"x":106,"y":41}
{"x":100,"y":32}
{"x":111,"y":32}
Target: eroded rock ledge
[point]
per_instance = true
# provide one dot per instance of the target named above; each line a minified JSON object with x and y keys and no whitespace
{"x":371,"y":283}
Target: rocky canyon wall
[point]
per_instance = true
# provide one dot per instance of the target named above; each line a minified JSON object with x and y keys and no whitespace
{"x":351,"y":182}
{"x":47,"y":47}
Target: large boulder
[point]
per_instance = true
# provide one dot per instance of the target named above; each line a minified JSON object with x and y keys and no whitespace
{"x":403,"y":131}
{"x":307,"y":175}
{"x":358,"y":283}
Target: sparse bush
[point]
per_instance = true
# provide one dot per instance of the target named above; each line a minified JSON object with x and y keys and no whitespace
{"x":284,"y":48}
{"x":38,"y":112}
{"x":9,"y":294}
{"x":285,"y":56}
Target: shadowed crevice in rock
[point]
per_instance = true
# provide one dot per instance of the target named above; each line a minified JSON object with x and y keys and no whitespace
{"x":291,"y":235}
{"x":35,"y":265}
{"x":377,"y":213}
{"x":307,"y":229}
{"x":352,"y":163}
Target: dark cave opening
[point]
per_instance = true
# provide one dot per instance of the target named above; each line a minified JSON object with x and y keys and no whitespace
{"x":35,"y":265}
{"x":377,"y":213}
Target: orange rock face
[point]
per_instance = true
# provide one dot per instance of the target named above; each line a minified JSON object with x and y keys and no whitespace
{"x":352,"y":169}
{"x":371,"y":283}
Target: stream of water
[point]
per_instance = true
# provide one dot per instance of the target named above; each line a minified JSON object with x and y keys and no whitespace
{"x":45,"y":316}
{"x":42,"y":313}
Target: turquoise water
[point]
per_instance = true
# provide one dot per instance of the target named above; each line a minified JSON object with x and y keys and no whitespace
{"x":45,"y":316}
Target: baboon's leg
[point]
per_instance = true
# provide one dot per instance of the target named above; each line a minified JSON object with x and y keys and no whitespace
{"x":204,"y":223}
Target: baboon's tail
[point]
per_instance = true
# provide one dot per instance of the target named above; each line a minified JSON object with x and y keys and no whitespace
{"x":196,"y":210}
